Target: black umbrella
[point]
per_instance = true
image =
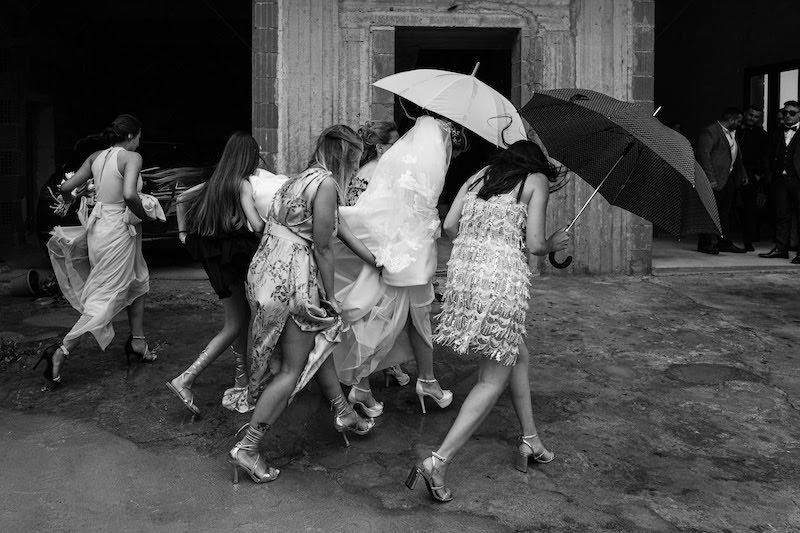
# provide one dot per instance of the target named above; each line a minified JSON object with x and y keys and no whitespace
{"x":628,"y":156}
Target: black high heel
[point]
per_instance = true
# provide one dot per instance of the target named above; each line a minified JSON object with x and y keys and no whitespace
{"x":47,"y":356}
{"x":147,"y":356}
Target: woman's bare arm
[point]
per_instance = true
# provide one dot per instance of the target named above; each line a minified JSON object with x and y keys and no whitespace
{"x":355,"y":244}
{"x":132,"y":166}
{"x":249,"y":208}
{"x":80,"y":177}
{"x":323,"y":223}
{"x":453,"y":218}
{"x":535,"y":239}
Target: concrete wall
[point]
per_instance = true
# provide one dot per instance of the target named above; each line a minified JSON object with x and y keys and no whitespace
{"x":314,"y":61}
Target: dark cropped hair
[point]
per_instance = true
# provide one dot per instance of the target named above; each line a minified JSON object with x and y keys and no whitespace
{"x":510,"y":167}
{"x":122,"y":126}
{"x":373,"y":133}
{"x":217,"y":209}
{"x":729,"y":113}
{"x":792,"y":103}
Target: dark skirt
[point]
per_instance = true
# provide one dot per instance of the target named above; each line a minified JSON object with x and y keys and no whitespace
{"x":225,"y":258}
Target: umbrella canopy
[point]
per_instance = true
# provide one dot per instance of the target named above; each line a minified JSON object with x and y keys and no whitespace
{"x":462,"y":98}
{"x":653,"y":172}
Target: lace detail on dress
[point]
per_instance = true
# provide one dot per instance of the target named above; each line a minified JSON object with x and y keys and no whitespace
{"x":486,"y":297}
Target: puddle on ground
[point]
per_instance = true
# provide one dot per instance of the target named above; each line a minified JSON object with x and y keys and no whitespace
{"x":709,"y":374}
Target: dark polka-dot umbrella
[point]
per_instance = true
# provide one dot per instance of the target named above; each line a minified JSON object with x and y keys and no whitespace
{"x":628,"y":156}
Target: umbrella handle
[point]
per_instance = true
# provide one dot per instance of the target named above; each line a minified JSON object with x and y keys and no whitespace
{"x":564,"y":264}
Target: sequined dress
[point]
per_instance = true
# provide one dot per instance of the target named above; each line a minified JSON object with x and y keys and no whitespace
{"x":488,"y":280}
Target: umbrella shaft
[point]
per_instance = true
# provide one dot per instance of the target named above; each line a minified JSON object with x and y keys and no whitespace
{"x":628,"y":149}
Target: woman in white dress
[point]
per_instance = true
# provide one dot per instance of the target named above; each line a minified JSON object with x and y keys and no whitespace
{"x":396,"y":217}
{"x":117,"y":276}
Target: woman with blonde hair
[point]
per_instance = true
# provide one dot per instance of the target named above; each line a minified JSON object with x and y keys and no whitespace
{"x":291,"y":295}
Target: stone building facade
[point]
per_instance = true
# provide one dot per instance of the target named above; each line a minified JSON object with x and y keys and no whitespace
{"x":314,"y":62}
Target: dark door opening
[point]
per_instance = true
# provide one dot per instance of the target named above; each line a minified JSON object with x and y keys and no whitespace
{"x":457,"y":50}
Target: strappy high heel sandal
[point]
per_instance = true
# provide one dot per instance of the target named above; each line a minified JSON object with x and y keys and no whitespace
{"x":258,"y":470}
{"x":397,"y":373}
{"x":440,"y":493}
{"x":147,"y":356}
{"x":525,"y":450}
{"x":240,"y":370}
{"x":444,"y":401}
{"x":372,"y":412}
{"x":360,"y":426}
{"x":48,"y":354}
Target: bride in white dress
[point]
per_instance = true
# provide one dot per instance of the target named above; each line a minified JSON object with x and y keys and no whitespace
{"x":396,"y":217}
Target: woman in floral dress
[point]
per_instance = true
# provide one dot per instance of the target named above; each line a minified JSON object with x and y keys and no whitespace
{"x":289,"y":305}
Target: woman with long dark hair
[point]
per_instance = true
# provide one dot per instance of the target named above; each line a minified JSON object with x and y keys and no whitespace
{"x":117,"y":276}
{"x":220,"y":226}
{"x":291,"y":294}
{"x":498,"y":214}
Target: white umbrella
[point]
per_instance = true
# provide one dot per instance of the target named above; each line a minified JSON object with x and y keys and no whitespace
{"x":462,"y":98}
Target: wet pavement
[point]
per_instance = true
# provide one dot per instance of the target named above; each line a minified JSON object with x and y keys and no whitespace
{"x":671,"y":404}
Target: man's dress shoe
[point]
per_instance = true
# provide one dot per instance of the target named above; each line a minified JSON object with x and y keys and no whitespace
{"x":731,"y":248}
{"x":749,"y":248}
{"x":775,"y":254}
{"x":796,"y":259}
{"x":712,"y":251}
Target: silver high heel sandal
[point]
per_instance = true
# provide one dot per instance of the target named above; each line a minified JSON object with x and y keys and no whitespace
{"x":525,"y":450}
{"x":371,"y":412}
{"x":446,"y":399}
{"x":397,"y":373}
{"x":240,"y":378}
{"x":439,"y":493}
{"x":202,"y":361}
{"x":259,"y":471}
{"x":360,"y":426}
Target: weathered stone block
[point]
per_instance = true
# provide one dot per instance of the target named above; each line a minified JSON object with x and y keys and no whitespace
{"x":644,"y":12}
{"x":642,"y":88}
{"x":382,"y":96}
{"x":382,"y":65}
{"x":381,"y":112}
{"x":643,"y":63}
{"x":643,"y":38}
{"x":383,"y":41}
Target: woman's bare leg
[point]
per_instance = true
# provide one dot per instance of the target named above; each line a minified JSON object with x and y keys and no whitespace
{"x":296,"y":345}
{"x":237,"y":318}
{"x":492,"y":379}
{"x":521,"y":399}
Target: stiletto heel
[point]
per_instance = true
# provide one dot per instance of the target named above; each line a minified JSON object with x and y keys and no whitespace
{"x":371,"y":412}
{"x":240,"y":370}
{"x":413,"y":477}
{"x":48,"y":354}
{"x":359,"y":426}
{"x":525,"y":450}
{"x":446,"y":399}
{"x":259,"y":472}
{"x":440,"y":493}
{"x":146,"y":356}
{"x":397,"y":373}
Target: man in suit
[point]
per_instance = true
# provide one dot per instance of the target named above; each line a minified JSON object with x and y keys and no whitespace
{"x":785,"y":168}
{"x":719,"y":155}
{"x":754,"y":143}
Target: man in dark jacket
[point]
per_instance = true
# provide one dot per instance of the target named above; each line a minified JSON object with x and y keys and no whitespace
{"x":785,"y":168}
{"x":719,"y":155}
{"x":754,"y":143}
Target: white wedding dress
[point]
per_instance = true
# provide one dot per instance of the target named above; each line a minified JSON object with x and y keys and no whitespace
{"x":397,"y":219}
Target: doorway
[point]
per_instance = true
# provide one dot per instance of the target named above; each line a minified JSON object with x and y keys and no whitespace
{"x":457,"y":50}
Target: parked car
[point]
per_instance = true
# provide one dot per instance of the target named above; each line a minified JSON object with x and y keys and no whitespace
{"x":166,"y":181}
